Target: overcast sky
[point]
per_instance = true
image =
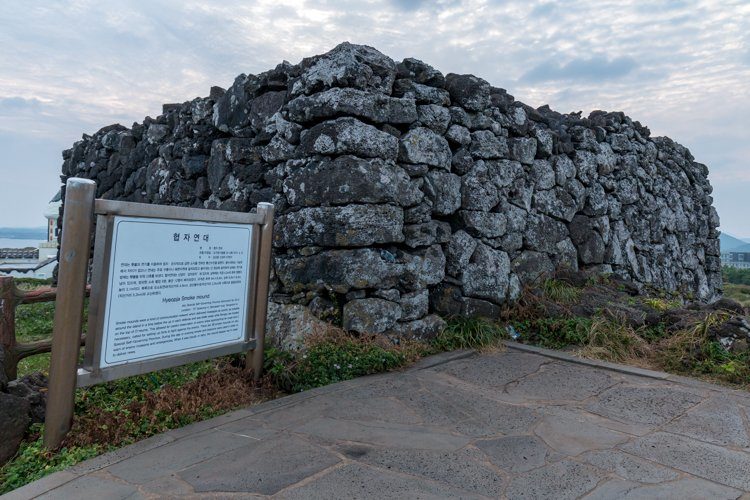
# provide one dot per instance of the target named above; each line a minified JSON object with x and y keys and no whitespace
{"x":680,"y":67}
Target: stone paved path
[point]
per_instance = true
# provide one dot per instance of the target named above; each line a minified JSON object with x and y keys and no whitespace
{"x":509,"y":424}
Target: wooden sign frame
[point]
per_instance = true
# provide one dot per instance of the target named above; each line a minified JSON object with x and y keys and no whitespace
{"x":80,"y":209}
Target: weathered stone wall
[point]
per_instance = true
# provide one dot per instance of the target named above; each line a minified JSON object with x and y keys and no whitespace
{"x":401,"y":192}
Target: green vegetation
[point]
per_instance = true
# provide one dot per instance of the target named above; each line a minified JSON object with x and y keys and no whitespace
{"x":661,"y":304}
{"x":560,"y":291}
{"x":335,"y":356}
{"x":692,"y":351}
{"x":737,"y":284}
{"x":740,"y":293}
{"x":554,"y":333}
{"x":465,"y":333}
{"x":736,"y":276}
{"x":33,"y":462}
{"x":111,"y":415}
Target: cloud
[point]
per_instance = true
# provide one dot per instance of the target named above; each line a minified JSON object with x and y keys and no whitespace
{"x":544,"y":9}
{"x":13,"y":105}
{"x":594,"y":69}
{"x":408,"y":4}
{"x":78,"y":65}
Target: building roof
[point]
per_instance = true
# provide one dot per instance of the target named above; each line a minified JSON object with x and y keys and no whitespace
{"x":19,"y":253}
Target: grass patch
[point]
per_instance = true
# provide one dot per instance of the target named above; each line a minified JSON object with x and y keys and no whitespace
{"x":612,"y":339}
{"x":555,"y":333}
{"x":561,"y":292}
{"x":662,"y":305}
{"x":466,"y":333}
{"x":111,"y":415}
{"x":735,"y":276}
{"x":335,"y":356}
{"x":33,"y":462}
{"x":740,"y":293}
{"x":692,"y":351}
{"x":35,"y":322}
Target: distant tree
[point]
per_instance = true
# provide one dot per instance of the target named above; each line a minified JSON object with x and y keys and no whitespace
{"x":736,"y":276}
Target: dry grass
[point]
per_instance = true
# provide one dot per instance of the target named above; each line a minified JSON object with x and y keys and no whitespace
{"x":611,"y":338}
{"x":217,"y":391}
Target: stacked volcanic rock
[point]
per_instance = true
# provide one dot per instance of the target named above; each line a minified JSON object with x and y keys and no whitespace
{"x":402,"y":193}
{"x":22,"y":402}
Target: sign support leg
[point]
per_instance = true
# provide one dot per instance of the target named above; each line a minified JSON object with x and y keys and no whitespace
{"x":254,"y":358}
{"x":78,"y":217}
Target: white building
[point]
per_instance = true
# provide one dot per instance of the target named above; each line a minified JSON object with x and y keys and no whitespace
{"x":35,"y":262}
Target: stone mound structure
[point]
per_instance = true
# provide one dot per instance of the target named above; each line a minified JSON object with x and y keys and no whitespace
{"x":402,"y":193}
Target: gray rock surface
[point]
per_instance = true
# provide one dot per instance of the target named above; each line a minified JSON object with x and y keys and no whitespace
{"x":371,"y":315}
{"x":14,"y":418}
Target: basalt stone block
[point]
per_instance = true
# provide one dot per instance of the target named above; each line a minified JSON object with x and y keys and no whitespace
{"x":532,"y":266}
{"x":344,"y":136}
{"x":426,"y":328}
{"x":557,"y":203}
{"x":346,"y":226}
{"x":335,"y":102}
{"x":587,"y":239}
{"x":14,"y":418}
{"x":434,"y":117}
{"x":264,"y":106}
{"x":340,"y":270}
{"x":488,"y":275}
{"x":420,"y":72}
{"x":370,"y":315}
{"x":422,"y":145}
{"x":543,"y":233}
{"x":422,"y":94}
{"x":345,"y":270}
{"x":423,"y":268}
{"x":485,"y":145}
{"x":414,"y":305}
{"x":468,"y":91}
{"x":459,"y":251}
{"x":349,"y":179}
{"x":523,"y":149}
{"x":458,"y":135}
{"x":483,"y":224}
{"x":478,"y":308}
{"x":231,"y":111}
{"x":347,"y":65}
{"x":426,"y":234}
{"x":444,"y":189}
{"x":542,"y":174}
{"x":545,"y":142}
{"x":478,"y":192}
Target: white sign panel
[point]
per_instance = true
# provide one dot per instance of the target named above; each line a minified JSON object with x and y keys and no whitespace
{"x":174,"y":287}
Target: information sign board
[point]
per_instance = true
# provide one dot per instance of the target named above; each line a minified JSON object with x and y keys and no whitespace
{"x":169,"y":285}
{"x":174,"y":287}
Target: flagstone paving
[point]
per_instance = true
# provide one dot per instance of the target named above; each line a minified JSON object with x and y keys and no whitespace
{"x":508,"y":424}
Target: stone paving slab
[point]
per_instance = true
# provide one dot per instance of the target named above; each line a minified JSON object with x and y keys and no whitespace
{"x":512,"y":424}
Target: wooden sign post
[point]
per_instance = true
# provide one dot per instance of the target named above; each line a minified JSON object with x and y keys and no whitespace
{"x":170,"y":286}
{"x":78,"y":221}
